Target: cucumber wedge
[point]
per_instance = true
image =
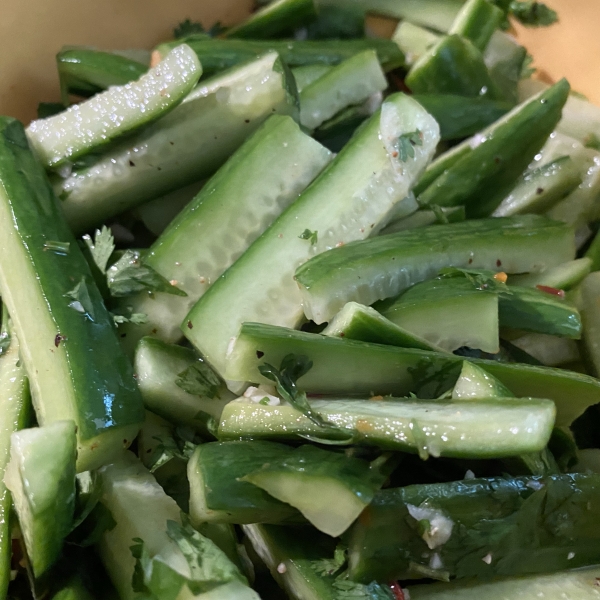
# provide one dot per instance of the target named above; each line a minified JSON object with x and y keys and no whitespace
{"x":14,"y":408}
{"x":414,"y":40}
{"x":530,"y":525}
{"x":273,"y":167}
{"x":348,"y":368}
{"x":41,"y":479}
{"x":350,"y":200}
{"x":308,"y":74}
{"x":581,"y":584}
{"x":550,"y":350}
{"x":561,"y":277}
{"x":76,"y":368}
{"x":85,"y":127}
{"x":475,"y":382}
{"x":475,"y":428}
{"x":383,"y":267}
{"x":351,"y":82}
{"x":220,"y":494}
{"x":158,"y":366}
{"x":504,"y":58}
{"x":328,"y":488}
{"x":363,"y":323}
{"x":188,"y":144}
{"x":476,"y":21}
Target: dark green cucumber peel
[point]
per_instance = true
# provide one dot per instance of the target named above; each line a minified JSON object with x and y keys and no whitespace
{"x":497,"y":527}
{"x":482,"y":177}
{"x":477,"y":20}
{"x":347,"y":367}
{"x":71,"y":352}
{"x":219,"y":493}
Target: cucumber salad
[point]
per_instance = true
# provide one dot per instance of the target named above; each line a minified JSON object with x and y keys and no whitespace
{"x":293,"y":310}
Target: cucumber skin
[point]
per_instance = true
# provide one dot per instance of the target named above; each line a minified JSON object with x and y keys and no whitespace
{"x":99,"y":392}
{"x":218,"y":492}
{"x":395,"y":262}
{"x":523,"y":536}
{"x":348,"y":367}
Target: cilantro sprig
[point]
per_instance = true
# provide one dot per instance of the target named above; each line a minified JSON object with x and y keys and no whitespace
{"x":199,"y":380}
{"x":533,"y":14}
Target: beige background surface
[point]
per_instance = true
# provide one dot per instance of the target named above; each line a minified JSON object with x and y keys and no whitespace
{"x":32,"y":31}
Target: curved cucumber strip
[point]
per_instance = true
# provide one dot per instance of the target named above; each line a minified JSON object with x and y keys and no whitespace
{"x":414,"y":40}
{"x":329,"y":489}
{"x":41,"y":478}
{"x":14,"y":408}
{"x":69,"y":347}
{"x":272,"y":167}
{"x":449,"y":313}
{"x":348,"y":201}
{"x":475,"y":428}
{"x":477,"y":20}
{"x":348,"y":367}
{"x":159,"y":365}
{"x":475,"y":382}
{"x":188,"y":144}
{"x":561,"y":277}
{"x":550,"y":350}
{"x":84,"y":127}
{"x":363,"y":323}
{"x":351,"y":82}
{"x":580,"y":584}
{"x":220,"y":494}
{"x":383,"y":267}
{"x":541,"y":188}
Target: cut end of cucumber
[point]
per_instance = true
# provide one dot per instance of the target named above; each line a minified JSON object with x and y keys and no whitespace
{"x":102,"y":449}
{"x":475,"y":382}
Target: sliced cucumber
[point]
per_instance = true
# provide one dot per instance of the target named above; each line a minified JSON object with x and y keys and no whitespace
{"x":474,"y":428}
{"x":363,"y":323}
{"x":41,"y":479}
{"x":190,"y":143}
{"x":504,"y":58}
{"x":561,"y":277}
{"x":590,"y":313}
{"x":550,"y":350}
{"x":348,"y":367}
{"x":14,"y":408}
{"x":475,"y":382}
{"x":423,"y":218}
{"x":84,"y":127}
{"x":351,"y":82}
{"x":69,"y":347}
{"x":158,"y":366}
{"x":220,"y":494}
{"x":383,"y":267}
{"x":476,"y":21}
{"x":578,"y":584}
{"x":414,"y":40}
{"x":449,"y":313}
{"x":348,"y":201}
{"x":308,"y":74}
{"x":273,"y":167}
{"x":542,"y":188}
{"x":328,"y":488}
{"x":530,"y":525}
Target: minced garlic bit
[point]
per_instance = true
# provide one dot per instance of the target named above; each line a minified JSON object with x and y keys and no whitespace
{"x":440,"y":526}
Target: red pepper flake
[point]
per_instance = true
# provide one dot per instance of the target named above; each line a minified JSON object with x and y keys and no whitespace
{"x":551,"y":290}
{"x":397,"y":591}
{"x":58,"y":339}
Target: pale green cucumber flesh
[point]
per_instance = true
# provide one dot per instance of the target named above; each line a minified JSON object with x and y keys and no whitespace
{"x":550,"y":350}
{"x":348,"y":367}
{"x":41,"y":478}
{"x":414,"y":40}
{"x":218,"y":494}
{"x":561,"y":277}
{"x":504,"y":58}
{"x":363,"y":323}
{"x":577,"y":584}
{"x":475,"y":382}
{"x":308,"y":74}
{"x":69,"y":379}
{"x":84,"y":127}
{"x":423,"y":218}
{"x":590,"y":314}
{"x":384,"y":267}
{"x":486,"y":428}
{"x":158,"y":366}
{"x":272,"y":167}
{"x":189,"y":143}
{"x":14,"y":408}
{"x":351,"y":82}
{"x":348,"y":201}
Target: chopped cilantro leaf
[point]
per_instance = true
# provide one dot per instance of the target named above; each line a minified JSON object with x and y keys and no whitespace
{"x":407,"y":143}
{"x":130,"y":275}
{"x":189,"y":27}
{"x":199,"y":380}
{"x":533,"y":14}
{"x":526,"y":69}
{"x":481,"y":279}
{"x":102,"y":247}
{"x":330,"y":566}
{"x":81,"y":300}
{"x":349,"y":590}
{"x":128,"y":316}
{"x":309,"y":235}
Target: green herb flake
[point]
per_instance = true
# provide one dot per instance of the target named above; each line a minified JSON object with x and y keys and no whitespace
{"x":126,"y":315}
{"x":526,"y":69}
{"x":309,"y":235}
{"x":533,"y":14}
{"x":61,"y":248}
{"x":349,"y":590}
{"x":264,"y":401}
{"x":81,"y":300}
{"x":189,"y":27}
{"x":102,"y":247}
{"x":330,"y":566}
{"x":199,"y":380}
{"x":407,"y":143}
